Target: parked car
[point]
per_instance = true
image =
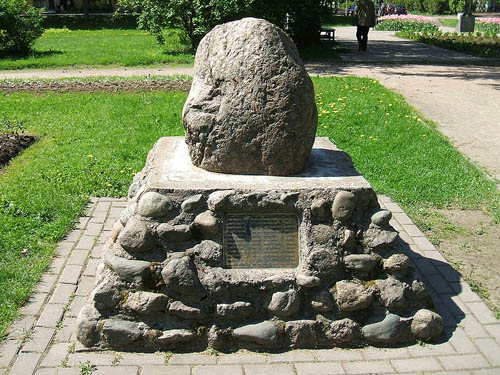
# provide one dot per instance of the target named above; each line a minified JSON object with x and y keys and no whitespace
{"x":350,"y":10}
{"x":389,"y":8}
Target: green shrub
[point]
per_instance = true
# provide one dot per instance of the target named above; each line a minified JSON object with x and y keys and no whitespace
{"x":479,"y":44}
{"x":435,"y":6}
{"x":414,"y":5}
{"x":408,"y":23}
{"x":300,"y":18}
{"x":20,"y":25}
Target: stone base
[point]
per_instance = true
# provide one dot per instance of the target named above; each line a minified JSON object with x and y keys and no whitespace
{"x":465,"y":23}
{"x":201,"y":259}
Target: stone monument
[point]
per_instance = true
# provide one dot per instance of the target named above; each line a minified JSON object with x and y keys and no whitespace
{"x":287,"y":248}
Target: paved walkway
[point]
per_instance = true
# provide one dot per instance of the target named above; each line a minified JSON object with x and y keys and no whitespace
{"x":470,"y":344}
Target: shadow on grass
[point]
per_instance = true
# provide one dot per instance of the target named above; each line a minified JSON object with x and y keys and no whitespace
{"x":178,"y":52}
{"x":95,"y":21}
{"x":34,"y":54}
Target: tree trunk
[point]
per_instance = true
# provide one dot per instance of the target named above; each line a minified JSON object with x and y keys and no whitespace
{"x":86,"y":10}
{"x":52,"y":5}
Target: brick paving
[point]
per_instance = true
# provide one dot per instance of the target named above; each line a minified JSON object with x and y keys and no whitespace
{"x":43,"y":342}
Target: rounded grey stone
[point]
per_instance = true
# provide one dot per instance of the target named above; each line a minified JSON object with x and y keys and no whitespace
{"x":193,"y":202}
{"x":209,"y":252}
{"x":344,"y":205}
{"x":86,"y":325}
{"x":146,"y":302}
{"x":352,"y":296}
{"x":174,"y":233}
{"x":217,"y":199}
{"x":128,"y":270}
{"x":301,"y":333}
{"x":392,"y":293}
{"x":418,"y":288}
{"x":180,"y":275}
{"x":343,"y":332}
{"x":183,"y":311}
{"x":236,"y":310}
{"x":381,"y":218}
{"x":349,"y":240}
{"x":386,"y":331}
{"x":360,"y":262}
{"x":119,"y":333}
{"x":251,"y":108}
{"x":153,"y":204}
{"x":397,"y":264}
{"x":106,"y":295}
{"x":127,"y":213}
{"x":136,"y":237}
{"x":284,"y":304}
{"x":377,"y":238}
{"x":207,"y":223}
{"x":265,"y":333}
{"x":426,"y":324}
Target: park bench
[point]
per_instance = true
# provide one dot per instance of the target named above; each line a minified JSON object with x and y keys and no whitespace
{"x":327,"y":34}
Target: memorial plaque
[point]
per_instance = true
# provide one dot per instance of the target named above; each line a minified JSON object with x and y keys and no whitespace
{"x":261,"y":241}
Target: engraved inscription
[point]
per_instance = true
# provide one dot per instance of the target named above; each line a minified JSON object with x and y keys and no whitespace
{"x":261,"y":241}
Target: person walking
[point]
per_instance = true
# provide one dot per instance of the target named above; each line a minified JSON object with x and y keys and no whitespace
{"x":364,"y":17}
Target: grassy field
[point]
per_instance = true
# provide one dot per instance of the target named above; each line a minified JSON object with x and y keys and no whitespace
{"x":91,"y":144}
{"x":65,"y":47}
{"x":448,"y":22}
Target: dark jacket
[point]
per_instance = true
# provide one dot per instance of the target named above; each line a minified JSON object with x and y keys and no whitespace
{"x":364,"y":13}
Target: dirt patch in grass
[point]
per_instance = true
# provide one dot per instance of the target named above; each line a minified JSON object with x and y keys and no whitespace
{"x":13,"y":144}
{"x":469,"y":240}
{"x":39,"y":86}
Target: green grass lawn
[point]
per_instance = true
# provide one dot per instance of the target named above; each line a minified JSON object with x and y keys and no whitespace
{"x":63,"y":47}
{"x":91,"y":144}
{"x":448,"y":22}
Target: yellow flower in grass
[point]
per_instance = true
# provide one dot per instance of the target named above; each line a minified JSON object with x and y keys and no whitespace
{"x":419,"y":119}
{"x":90,"y":156}
{"x":362,"y":135}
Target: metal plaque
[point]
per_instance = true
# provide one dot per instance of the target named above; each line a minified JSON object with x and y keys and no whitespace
{"x":261,"y":241}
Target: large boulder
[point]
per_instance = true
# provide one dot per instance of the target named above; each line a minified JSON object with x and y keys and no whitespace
{"x":251,"y":107}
